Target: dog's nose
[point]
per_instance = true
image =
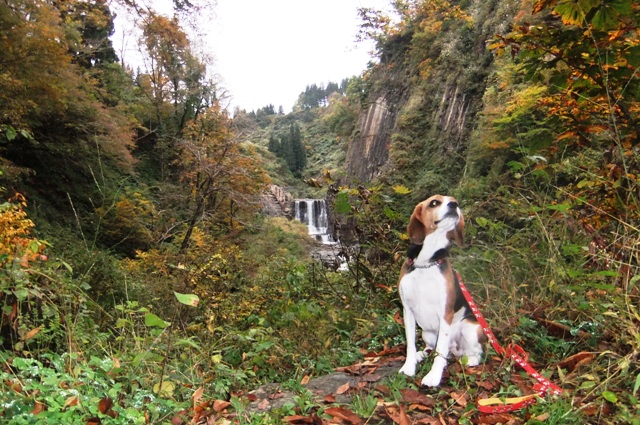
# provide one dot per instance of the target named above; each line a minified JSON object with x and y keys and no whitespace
{"x":452,"y":205}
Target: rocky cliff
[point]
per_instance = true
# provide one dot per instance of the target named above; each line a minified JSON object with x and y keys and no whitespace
{"x":425,"y":96}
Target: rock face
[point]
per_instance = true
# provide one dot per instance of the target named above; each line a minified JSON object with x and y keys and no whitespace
{"x":277,"y":202}
{"x":369,"y":151}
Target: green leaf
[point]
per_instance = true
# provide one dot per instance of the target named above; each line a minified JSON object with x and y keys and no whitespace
{"x":10,"y":133}
{"x":152,"y":320}
{"x":610,"y":397}
{"x":187,"y":299}
{"x":636,"y":386}
{"x":559,"y":207}
{"x":482,"y":222}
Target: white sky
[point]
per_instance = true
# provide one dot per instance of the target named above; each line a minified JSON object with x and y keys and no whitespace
{"x":268,"y":51}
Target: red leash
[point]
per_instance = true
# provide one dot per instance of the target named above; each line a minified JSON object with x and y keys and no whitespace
{"x":517,"y":353}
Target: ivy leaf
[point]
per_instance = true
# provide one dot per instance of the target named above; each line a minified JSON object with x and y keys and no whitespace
{"x":187,"y":299}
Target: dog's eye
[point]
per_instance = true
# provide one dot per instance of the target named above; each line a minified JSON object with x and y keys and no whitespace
{"x":434,"y":203}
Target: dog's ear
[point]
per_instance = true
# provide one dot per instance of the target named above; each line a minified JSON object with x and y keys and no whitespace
{"x":416,"y":229}
{"x":458,"y":232}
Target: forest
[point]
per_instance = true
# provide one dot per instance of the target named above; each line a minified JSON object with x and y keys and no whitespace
{"x":142,"y":282}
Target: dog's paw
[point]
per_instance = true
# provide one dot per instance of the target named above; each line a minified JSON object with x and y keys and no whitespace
{"x":421,"y":355}
{"x":432,"y":379}
{"x":408,"y":369}
{"x":473,"y":360}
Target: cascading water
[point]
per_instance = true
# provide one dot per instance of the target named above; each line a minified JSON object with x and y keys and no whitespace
{"x":313,"y":213}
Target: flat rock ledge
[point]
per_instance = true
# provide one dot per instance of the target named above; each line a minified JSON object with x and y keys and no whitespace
{"x":273,"y":396}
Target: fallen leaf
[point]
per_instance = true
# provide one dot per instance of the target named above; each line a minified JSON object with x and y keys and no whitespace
{"x":487,"y":385}
{"x":93,"y":421}
{"x":543,"y":417}
{"x":330,"y":398}
{"x":298,"y":419}
{"x":197,"y":395}
{"x":304,"y":380}
{"x":252,"y":397}
{"x":177,"y":420}
{"x":38,"y":408}
{"x":220,"y":405}
{"x":31,"y":333}
{"x":344,"y":414}
{"x":459,"y":398}
{"x":343,"y":388}
{"x":397,"y":318}
{"x":497,"y":418}
{"x":573,"y":362}
{"x":264,"y":404}
{"x":105,"y":405}
{"x":404,"y":419}
{"x":413,"y":396}
{"x":71,"y":401}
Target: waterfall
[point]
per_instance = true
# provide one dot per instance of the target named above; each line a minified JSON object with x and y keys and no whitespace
{"x":313,"y":213}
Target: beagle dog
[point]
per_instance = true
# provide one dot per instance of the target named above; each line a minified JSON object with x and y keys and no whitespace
{"x":430,"y":292}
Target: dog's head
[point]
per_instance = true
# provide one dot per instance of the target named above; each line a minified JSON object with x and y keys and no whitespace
{"x":438,"y":213}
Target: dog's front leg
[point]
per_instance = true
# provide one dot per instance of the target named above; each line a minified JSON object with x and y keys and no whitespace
{"x":433,"y":378}
{"x":409,"y":367}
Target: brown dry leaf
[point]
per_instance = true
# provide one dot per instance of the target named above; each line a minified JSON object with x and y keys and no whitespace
{"x":404,"y":419}
{"x":31,"y":333}
{"x":330,"y":398}
{"x":344,"y":414}
{"x":428,"y":421}
{"x":496,"y":418}
{"x":177,"y":420}
{"x":220,"y":405}
{"x":93,"y":421}
{"x":298,"y":419}
{"x":305,"y":380}
{"x":459,"y":398}
{"x":397,"y":318}
{"x":252,"y":397}
{"x":542,"y":417}
{"x":14,"y":385}
{"x":264,"y":404}
{"x":197,"y":395}
{"x":105,"y":405}
{"x":573,"y":362}
{"x":487,"y":385}
{"x":71,"y":401}
{"x":416,"y":397}
{"x":343,"y":388}
{"x":38,"y":408}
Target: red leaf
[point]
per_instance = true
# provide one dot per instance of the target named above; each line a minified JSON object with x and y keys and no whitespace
{"x":94,"y":421}
{"x":105,"y":405}
{"x":38,"y":408}
{"x":398,"y":319}
{"x":344,"y":414}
